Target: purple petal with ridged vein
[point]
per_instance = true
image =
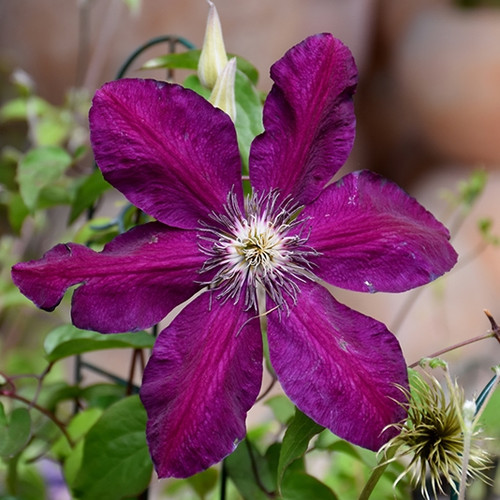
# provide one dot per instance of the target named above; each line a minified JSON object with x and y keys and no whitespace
{"x":132,"y":284}
{"x":372,"y":236}
{"x":168,"y":150}
{"x":308,"y":119}
{"x":339,"y":367}
{"x":204,"y":375}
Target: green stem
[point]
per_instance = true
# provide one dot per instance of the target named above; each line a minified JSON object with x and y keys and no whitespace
{"x":223,"y":480}
{"x":465,"y":465}
{"x":376,"y":474}
{"x":11,"y":479}
{"x":481,"y":403}
{"x":255,"y":470}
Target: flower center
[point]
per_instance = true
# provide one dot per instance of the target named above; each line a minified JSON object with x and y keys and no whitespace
{"x":259,"y":247}
{"x":265,"y":248}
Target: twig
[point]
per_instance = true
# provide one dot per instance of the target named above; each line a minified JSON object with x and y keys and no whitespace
{"x":270,"y":494}
{"x":44,"y":411}
{"x":268,"y":390}
{"x":495,"y":332}
{"x":457,"y":346}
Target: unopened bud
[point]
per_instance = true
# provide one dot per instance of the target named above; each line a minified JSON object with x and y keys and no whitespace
{"x":469,"y":411}
{"x":222,"y":96}
{"x":213,"y":58}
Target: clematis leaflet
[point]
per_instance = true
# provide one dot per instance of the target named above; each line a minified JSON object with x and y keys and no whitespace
{"x":175,"y":156}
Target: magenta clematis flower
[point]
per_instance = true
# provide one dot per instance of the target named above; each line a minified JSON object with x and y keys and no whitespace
{"x":175,"y":156}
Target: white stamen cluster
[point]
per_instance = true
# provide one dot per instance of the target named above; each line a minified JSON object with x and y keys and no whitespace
{"x":256,"y":250}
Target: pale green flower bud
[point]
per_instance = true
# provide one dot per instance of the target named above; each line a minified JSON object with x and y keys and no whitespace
{"x":213,"y":58}
{"x":222,"y":96}
{"x":469,"y":412}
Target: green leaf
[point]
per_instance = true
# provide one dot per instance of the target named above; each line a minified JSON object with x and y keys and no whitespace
{"x":52,"y":129}
{"x":489,"y":419}
{"x":79,"y":425}
{"x":8,"y":167}
{"x":15,"y":435}
{"x":77,"y":428}
{"x":348,"y":476}
{"x":56,"y":194}
{"x":80,"y":152}
{"x":97,"y":232}
{"x":330,"y":442}
{"x":204,"y":482}
{"x":72,"y":463}
{"x":25,"y":480}
{"x":102,"y":395}
{"x":282,"y":407}
{"x":179,"y":60}
{"x":298,"y":486}
{"x":58,"y":392}
{"x":72,"y":457}
{"x":82,"y":422}
{"x":134,"y":6}
{"x":295,"y":441}
{"x":472,"y":188}
{"x":243,"y":465}
{"x":247,"y":68}
{"x":39,"y":168}
{"x":485,"y":226}
{"x":193,"y":82}
{"x":18,"y":108}
{"x":68,"y":340}
{"x":87,"y":193}
{"x":15,"y":109}
{"x":17,"y":212}
{"x":3,"y":417}
{"x":248,"y":115}
{"x":189,"y":60}
{"x":248,"y":111}
{"x":116,"y":460}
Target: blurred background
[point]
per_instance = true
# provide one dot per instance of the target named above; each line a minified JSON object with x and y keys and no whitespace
{"x":428,"y":108}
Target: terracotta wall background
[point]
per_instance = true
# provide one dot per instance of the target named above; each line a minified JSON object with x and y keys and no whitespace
{"x":430,"y":73}
{"x":428,"y":108}
{"x":43,"y":35}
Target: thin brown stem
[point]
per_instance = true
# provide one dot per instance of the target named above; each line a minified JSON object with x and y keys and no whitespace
{"x":253,"y":463}
{"x":8,"y":382}
{"x":457,"y":346}
{"x":142,"y":361}
{"x":44,"y":411}
{"x":472,"y":255}
{"x":83,"y":51}
{"x":40,"y":381}
{"x":495,"y":329}
{"x":131,"y":373}
{"x":268,"y":390}
{"x":404,"y":310}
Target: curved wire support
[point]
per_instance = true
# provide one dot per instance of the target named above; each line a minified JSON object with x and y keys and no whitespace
{"x":170,"y":39}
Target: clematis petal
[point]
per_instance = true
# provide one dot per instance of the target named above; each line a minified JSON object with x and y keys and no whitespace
{"x":372,"y":236}
{"x":132,"y":284}
{"x":204,"y":375}
{"x":308,"y":120}
{"x":168,"y":150}
{"x":339,"y":367}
